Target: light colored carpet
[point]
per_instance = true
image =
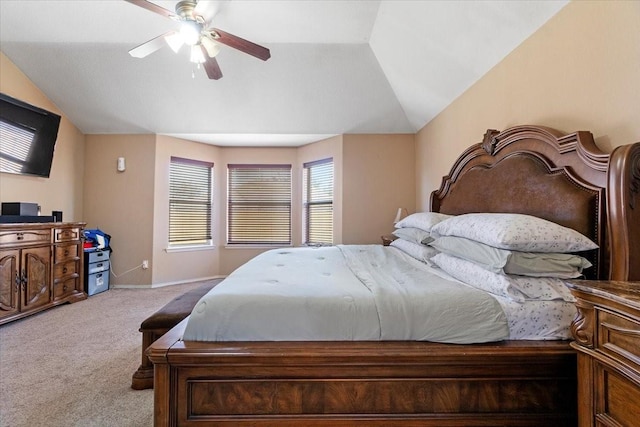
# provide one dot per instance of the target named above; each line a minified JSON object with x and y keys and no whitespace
{"x":72,"y":365}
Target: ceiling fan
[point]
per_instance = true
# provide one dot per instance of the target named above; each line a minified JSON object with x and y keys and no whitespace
{"x":203,"y":42}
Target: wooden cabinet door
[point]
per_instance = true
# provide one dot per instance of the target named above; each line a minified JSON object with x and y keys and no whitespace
{"x":9,"y":282}
{"x":36,"y":267}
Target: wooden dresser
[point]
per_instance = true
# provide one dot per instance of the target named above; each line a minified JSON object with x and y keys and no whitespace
{"x":607,"y":337}
{"x":40,"y":267}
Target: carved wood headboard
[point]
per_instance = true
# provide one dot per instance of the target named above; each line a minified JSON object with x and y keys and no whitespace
{"x":566,"y":179}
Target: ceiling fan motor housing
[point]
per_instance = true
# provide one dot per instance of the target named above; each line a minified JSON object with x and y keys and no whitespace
{"x":185,"y":9}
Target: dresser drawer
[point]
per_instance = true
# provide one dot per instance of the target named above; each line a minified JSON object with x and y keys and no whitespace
{"x":66,"y":234}
{"x":66,"y":252}
{"x":617,"y":399}
{"x":65,"y":269}
{"x":619,"y":337}
{"x":24,"y":237}
{"x":65,"y":288}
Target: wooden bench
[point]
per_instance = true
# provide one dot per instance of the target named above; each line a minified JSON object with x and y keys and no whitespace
{"x":159,"y":323}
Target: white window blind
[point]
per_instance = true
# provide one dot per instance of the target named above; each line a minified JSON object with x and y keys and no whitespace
{"x":259,"y":203}
{"x":317,"y":195}
{"x":15,"y":146}
{"x":190,"y":202}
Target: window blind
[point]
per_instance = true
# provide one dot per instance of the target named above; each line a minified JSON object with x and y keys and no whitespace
{"x":318,"y":201}
{"x":15,"y":145}
{"x":190,"y":202}
{"x":259,"y":204}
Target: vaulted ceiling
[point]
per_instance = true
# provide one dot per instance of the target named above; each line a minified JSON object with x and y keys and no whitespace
{"x":336,"y":67}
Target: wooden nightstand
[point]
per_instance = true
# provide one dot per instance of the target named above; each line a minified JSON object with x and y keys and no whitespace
{"x":607,"y":336}
{"x":387,"y":239}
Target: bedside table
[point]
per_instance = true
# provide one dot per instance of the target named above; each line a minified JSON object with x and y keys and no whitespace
{"x":387,"y":239}
{"x":607,"y":337}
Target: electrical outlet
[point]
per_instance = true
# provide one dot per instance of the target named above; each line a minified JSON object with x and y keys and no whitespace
{"x":145,"y":264}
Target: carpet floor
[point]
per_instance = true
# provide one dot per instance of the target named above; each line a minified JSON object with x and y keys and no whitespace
{"x":72,"y":365}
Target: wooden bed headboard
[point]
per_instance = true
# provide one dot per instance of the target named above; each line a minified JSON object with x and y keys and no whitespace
{"x":566,"y":179}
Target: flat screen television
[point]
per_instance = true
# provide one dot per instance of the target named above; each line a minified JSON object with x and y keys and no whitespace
{"x":28,"y":137}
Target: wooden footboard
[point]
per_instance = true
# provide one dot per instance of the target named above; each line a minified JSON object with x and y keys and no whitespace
{"x":363,"y":383}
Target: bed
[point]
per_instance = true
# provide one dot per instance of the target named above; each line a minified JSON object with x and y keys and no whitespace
{"x":529,"y":170}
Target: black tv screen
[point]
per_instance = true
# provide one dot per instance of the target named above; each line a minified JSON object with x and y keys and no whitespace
{"x":27,"y":137}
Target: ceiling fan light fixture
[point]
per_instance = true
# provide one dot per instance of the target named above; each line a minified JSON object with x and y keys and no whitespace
{"x":197,"y":56}
{"x":210,"y":46}
{"x":175,"y":41}
{"x":204,"y":41}
{"x":190,"y":31}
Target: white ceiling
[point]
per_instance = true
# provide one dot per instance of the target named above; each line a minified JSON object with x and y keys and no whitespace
{"x":336,"y":67}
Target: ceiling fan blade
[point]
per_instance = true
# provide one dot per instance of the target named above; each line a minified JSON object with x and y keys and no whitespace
{"x":154,"y":8}
{"x":213,"y":69}
{"x":147,"y":48}
{"x":240,"y":44}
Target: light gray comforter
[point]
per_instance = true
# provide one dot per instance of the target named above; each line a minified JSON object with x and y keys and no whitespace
{"x":350,"y":292}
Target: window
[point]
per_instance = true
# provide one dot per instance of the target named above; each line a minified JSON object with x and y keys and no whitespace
{"x":259,"y":205}
{"x":317,"y":194}
{"x":190,"y":195}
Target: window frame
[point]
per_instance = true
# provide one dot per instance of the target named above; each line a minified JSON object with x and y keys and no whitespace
{"x":235,"y":238}
{"x":307,"y":204}
{"x":206,"y":240}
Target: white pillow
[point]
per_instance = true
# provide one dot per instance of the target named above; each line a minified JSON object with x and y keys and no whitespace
{"x":517,"y":232}
{"x":420,"y":252}
{"x":422,"y":220}
{"x":534,"y":264}
{"x":412,"y":234}
{"x":517,"y":288}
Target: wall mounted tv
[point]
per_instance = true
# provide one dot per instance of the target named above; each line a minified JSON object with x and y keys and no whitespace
{"x":27,"y":137}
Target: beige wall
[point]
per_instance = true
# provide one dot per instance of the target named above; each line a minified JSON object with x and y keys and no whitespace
{"x":580,"y":71}
{"x":122,"y":203}
{"x":378,"y":178}
{"x":171,"y":267}
{"x":62,"y":191}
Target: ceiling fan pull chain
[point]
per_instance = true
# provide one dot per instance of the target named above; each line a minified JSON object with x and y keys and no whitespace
{"x":193,"y":70}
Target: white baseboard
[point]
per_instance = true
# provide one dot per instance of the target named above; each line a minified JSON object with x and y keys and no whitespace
{"x":161,"y":285}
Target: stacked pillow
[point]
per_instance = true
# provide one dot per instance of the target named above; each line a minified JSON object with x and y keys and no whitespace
{"x":414,"y":233}
{"x":513,"y":255}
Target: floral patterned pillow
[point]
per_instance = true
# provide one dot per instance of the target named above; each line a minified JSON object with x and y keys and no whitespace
{"x":422,"y":220}
{"x":514,"y":232}
{"x":420,"y":252}
{"x":517,"y":288}
{"x":412,"y":234}
{"x":504,"y":261}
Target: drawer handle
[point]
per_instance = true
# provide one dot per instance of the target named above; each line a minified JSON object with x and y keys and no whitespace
{"x":66,"y":252}
{"x":99,"y":265}
{"x":64,"y":288}
{"x":20,"y":236}
{"x":64,"y":269}
{"x":621,"y":330}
